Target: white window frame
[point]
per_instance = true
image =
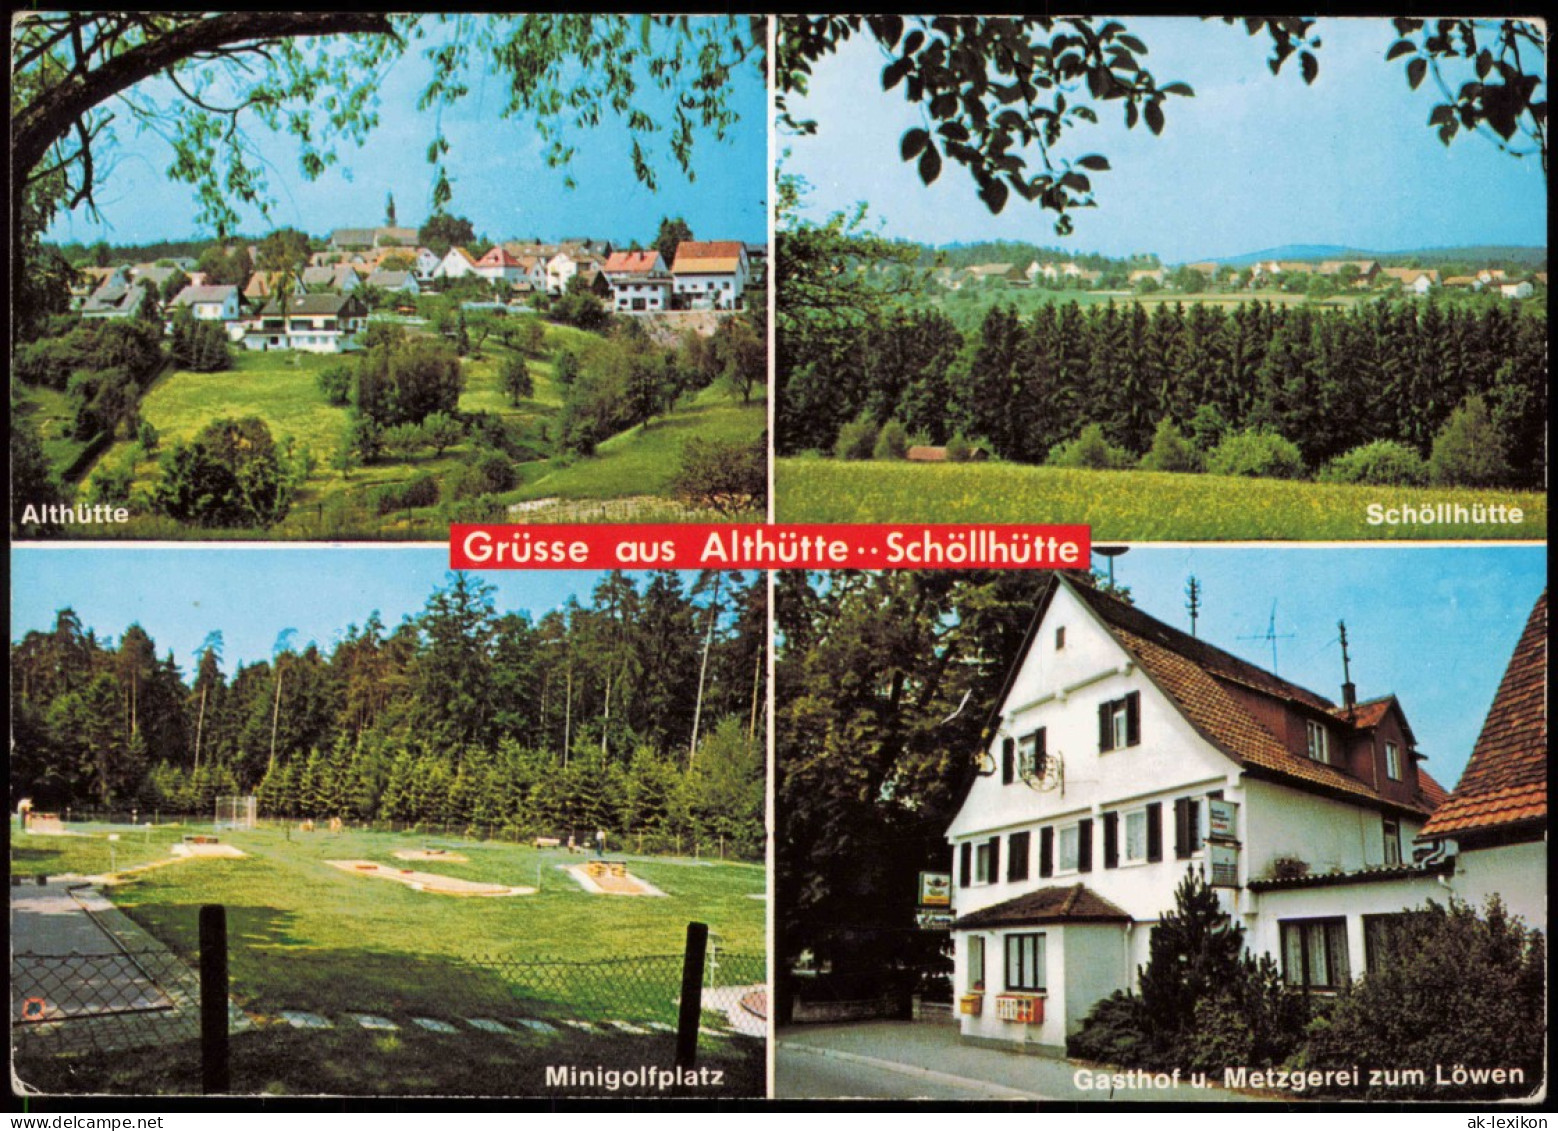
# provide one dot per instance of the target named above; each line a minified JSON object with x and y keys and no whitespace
{"x":1126,"y":859}
{"x":1319,"y":741}
{"x":1392,"y":761}
{"x":1061,"y":869}
{"x":1119,"y":724}
{"x":982,"y":861}
{"x":976,"y":964}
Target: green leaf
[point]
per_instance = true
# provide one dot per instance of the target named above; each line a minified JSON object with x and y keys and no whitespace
{"x":1094,"y":162}
{"x":930,"y":165}
{"x":1441,"y":114}
{"x":914,"y":141}
{"x":1309,"y":66}
{"x":1399,"y":48}
{"x":1181,"y":88}
{"x":994,"y":194}
{"x":1416,"y":69}
{"x":894,"y":72}
{"x":1153,"y":112}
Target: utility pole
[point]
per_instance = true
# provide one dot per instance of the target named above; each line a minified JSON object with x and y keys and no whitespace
{"x":1193,"y":591}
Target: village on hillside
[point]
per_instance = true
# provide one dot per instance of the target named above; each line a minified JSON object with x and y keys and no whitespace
{"x":321,"y":305}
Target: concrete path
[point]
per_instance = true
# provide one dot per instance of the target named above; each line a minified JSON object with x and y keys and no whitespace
{"x":930,"y":1057}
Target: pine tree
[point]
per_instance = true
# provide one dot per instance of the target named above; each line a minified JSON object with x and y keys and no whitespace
{"x":1194,"y":952}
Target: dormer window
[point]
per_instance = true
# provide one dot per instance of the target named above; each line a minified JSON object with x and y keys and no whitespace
{"x":1392,"y":761}
{"x":1319,"y":741}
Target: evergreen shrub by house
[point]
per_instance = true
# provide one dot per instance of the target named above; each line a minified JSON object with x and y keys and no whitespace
{"x":1090,"y":450}
{"x":1384,"y":463}
{"x":1256,"y":452}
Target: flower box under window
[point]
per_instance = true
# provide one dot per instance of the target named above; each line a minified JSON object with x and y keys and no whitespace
{"x":970,"y":1005}
{"x":1023,"y":1009}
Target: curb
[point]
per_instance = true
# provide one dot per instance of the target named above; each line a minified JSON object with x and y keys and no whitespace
{"x":995,"y":1091}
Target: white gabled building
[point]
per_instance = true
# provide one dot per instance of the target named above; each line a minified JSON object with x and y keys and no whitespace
{"x":1125,"y":752}
{"x":314,"y":323}
{"x":456,"y":264}
{"x":640,"y":282}
{"x":710,"y":274}
{"x":214,"y":303}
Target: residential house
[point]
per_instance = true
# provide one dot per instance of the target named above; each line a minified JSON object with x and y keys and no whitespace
{"x":316,"y":323}
{"x":640,"y":281}
{"x":1124,"y":752}
{"x":395,"y":282}
{"x":427,"y":262}
{"x":152,"y":276}
{"x":1522,"y":289}
{"x":1000,"y":272}
{"x":89,"y":279}
{"x":348,"y":239}
{"x":340,"y":277}
{"x":1414,"y":279}
{"x":263,"y":284}
{"x":1157,"y":275}
{"x":499,"y":266}
{"x":1493,"y":828}
{"x":218,"y":302}
{"x":115,"y":300}
{"x":710,"y":274}
{"x":560,"y":267}
{"x":457,"y":263}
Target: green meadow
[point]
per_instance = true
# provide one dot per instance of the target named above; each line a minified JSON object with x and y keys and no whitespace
{"x":304,"y":935}
{"x":281,"y":388}
{"x":1128,"y":505}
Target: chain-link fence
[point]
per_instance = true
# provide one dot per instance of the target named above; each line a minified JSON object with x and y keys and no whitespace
{"x":142,"y":1007}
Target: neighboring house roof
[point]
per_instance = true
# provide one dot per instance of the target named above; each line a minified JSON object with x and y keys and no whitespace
{"x":1074,"y":904}
{"x":462,"y":253}
{"x":151,"y":273}
{"x":633,"y":262}
{"x":1505,"y":783}
{"x":311,"y":305}
{"x":1374,"y":873}
{"x":388,"y":280}
{"x":925,"y":453}
{"x":498,"y":257}
{"x":215,"y":292}
{"x":352,"y":237}
{"x":1203,"y":681}
{"x":115,"y":299}
{"x":708,"y":257}
{"x":318,"y":276}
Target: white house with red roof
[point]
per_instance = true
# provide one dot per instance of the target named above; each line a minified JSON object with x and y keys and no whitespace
{"x":1493,"y":828}
{"x":1124,"y":752}
{"x":710,"y":274}
{"x":499,"y":266}
{"x":640,"y":281}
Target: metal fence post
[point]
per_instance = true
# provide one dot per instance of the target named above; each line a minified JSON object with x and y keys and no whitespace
{"x":692,"y":996}
{"x":214,"y":1074}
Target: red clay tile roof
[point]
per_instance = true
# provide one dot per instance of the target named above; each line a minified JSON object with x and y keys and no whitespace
{"x":1506,"y":779}
{"x":1073,"y":904}
{"x":1196,"y":676}
{"x":632,"y":262}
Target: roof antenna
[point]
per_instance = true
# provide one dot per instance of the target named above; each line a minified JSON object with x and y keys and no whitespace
{"x":1271,"y":635}
{"x":1193,"y":591}
{"x":1349,"y":692}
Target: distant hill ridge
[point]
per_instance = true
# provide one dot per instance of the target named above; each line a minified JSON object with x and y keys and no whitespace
{"x":1512,"y":253}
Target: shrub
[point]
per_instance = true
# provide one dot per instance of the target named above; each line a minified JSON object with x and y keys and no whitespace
{"x":1448,"y":987}
{"x":147,"y":436}
{"x":111,"y":483}
{"x":1170,"y":450}
{"x":1256,"y":452}
{"x":1469,"y":450}
{"x":1114,"y":1032}
{"x":1384,"y":463}
{"x":493,"y":471}
{"x":857,"y":439}
{"x":1208,"y":427}
{"x":335,"y":382}
{"x":1089,"y":450}
{"x":892,"y":442}
{"x":959,"y":449}
{"x":421,"y":491}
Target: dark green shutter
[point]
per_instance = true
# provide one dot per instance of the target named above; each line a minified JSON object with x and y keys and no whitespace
{"x":1008,"y":755}
{"x":1046,"y":852}
{"x":1105,"y":730}
{"x":966,"y":865}
{"x":1133,"y":719}
{"x":1085,"y":845}
{"x":1111,"y":840}
{"x":1155,"y":831}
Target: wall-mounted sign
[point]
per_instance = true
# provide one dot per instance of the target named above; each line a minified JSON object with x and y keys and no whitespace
{"x":1222,"y":818}
{"x":1223,"y":862}
{"x":934,"y":920}
{"x":935,"y":889}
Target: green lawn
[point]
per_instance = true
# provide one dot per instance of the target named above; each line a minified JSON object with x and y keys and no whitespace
{"x":304,"y":935}
{"x":1125,"y":505}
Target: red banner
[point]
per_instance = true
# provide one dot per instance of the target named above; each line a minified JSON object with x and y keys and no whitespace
{"x":758,"y":546}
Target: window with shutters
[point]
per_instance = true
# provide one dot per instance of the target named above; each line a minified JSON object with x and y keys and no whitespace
{"x":1032,"y":753}
{"x":1070,"y":849}
{"x":1314,"y":953}
{"x":1017,"y":852}
{"x":1135,"y":837}
{"x":1025,"y":963}
{"x":1119,"y":723}
{"x":1187,"y":827}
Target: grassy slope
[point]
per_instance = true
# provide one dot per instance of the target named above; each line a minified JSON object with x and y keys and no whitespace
{"x":281,"y":388}
{"x":1127,"y":505}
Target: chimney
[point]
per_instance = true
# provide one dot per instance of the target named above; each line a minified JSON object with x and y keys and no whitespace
{"x":1349,"y":689}
{"x":1349,"y":695}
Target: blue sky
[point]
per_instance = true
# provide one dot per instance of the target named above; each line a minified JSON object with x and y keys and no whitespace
{"x":1253,"y":161}
{"x":1433,"y":625}
{"x":501,"y":182}
{"x":252,"y":595}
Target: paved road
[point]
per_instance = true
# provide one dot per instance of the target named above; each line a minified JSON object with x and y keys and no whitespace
{"x":882,"y":1055}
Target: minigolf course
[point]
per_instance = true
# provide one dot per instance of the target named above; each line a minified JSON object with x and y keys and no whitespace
{"x":427,"y":881}
{"x":609,"y":877}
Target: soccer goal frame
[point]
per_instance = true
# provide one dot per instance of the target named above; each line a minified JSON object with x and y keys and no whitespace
{"x":236,"y":812}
